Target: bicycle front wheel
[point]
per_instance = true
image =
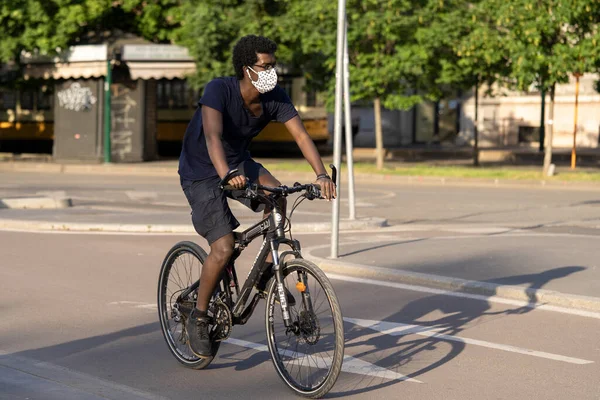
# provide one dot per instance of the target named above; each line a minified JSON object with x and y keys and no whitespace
{"x":307,"y":356}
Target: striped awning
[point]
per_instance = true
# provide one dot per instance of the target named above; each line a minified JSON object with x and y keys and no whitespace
{"x":78,"y":70}
{"x":160,"y":70}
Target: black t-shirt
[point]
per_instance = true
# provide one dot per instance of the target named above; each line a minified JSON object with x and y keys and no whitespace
{"x":239,"y":126}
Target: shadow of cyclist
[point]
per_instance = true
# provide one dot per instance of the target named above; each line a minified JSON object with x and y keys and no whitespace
{"x":414,"y":355}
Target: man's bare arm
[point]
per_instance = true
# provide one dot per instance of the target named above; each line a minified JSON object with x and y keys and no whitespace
{"x":212,"y":122}
{"x":310,"y":152}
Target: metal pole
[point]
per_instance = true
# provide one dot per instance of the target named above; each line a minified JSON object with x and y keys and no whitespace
{"x":107,"y":83}
{"x":348,"y":122}
{"x":476,"y":127}
{"x":573,"y":152}
{"x":337,"y":134}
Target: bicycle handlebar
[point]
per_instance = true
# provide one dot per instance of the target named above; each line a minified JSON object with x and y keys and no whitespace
{"x":313,"y":190}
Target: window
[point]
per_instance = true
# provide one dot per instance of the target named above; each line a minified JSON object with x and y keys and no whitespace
{"x":179,"y":97}
{"x":286,"y":85}
{"x":27,"y":100}
{"x":160,"y":95}
{"x":44,"y":98}
{"x":173,"y":94}
{"x":311,"y":98}
{"x":8,"y":99}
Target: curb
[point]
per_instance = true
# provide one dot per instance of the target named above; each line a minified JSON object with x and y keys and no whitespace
{"x":536,"y":297}
{"x":44,"y":226}
{"x":35,"y":203}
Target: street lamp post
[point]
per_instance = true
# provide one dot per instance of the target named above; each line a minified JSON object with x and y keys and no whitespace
{"x":107,"y":121}
{"x":337,"y":135}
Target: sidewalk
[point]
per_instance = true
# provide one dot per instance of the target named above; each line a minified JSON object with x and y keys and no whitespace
{"x":505,"y":155}
{"x":169,"y":168}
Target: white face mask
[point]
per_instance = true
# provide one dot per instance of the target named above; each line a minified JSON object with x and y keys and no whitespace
{"x":267,"y":80}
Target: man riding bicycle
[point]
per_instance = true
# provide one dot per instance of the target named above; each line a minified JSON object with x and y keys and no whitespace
{"x":231,"y":112}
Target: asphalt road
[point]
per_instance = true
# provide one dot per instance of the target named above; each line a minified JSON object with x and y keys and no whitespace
{"x":80,"y":322}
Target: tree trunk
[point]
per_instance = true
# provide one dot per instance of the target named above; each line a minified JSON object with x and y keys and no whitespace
{"x":476,"y":128}
{"x":549,"y":133}
{"x":574,"y":150}
{"x":543,"y":120}
{"x":378,"y":133}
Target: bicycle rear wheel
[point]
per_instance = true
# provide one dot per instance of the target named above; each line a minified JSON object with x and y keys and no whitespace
{"x":309,"y":357}
{"x":181,"y":268}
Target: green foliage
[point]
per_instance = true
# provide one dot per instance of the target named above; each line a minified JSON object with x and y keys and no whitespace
{"x":50,"y":25}
{"x":384,"y":56}
{"x":210,"y":29}
{"x":546,"y":40}
{"x":464,"y":47}
{"x":402,"y":51}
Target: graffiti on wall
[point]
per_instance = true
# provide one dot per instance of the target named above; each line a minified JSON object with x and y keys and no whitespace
{"x":123,"y":121}
{"x":76,"y":98}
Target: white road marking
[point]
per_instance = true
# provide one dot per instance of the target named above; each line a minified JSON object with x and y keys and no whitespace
{"x":399,"y":329}
{"x":350,"y":364}
{"x":491,"y":299}
{"x":136,"y":304}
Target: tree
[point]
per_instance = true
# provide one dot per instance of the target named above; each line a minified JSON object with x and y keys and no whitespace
{"x":539,"y":39}
{"x":48,"y":26}
{"x":463,"y":51}
{"x":382,"y":50}
{"x":210,"y":29}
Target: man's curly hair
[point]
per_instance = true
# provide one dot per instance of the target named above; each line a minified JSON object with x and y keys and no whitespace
{"x":246,"y":49}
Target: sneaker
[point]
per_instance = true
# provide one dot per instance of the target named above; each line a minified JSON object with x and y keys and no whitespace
{"x":198,"y":337}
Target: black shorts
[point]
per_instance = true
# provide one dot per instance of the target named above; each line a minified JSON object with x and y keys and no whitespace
{"x":211,"y":215}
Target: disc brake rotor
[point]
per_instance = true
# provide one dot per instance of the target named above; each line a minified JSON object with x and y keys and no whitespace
{"x":309,"y":327}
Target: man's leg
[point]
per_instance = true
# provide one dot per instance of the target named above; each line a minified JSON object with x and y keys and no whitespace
{"x":214,"y":221}
{"x":220,"y":252}
{"x":198,"y":323}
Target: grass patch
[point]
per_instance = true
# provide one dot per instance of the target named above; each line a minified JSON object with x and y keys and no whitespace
{"x":505,"y":173}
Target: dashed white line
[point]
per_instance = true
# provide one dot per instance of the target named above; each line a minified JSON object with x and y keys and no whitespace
{"x":399,"y":329}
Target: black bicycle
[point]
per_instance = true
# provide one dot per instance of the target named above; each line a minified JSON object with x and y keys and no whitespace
{"x":303,"y":320}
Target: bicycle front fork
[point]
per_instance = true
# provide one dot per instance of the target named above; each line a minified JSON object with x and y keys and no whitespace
{"x":279,"y":285}
{"x":301,"y":285}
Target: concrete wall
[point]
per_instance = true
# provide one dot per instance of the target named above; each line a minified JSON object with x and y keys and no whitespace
{"x":397,"y":127}
{"x":500,"y":117}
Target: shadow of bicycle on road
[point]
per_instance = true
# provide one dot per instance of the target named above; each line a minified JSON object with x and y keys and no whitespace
{"x":426,"y":340}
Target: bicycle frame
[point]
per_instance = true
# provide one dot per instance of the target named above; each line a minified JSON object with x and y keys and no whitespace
{"x":272,"y":229}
